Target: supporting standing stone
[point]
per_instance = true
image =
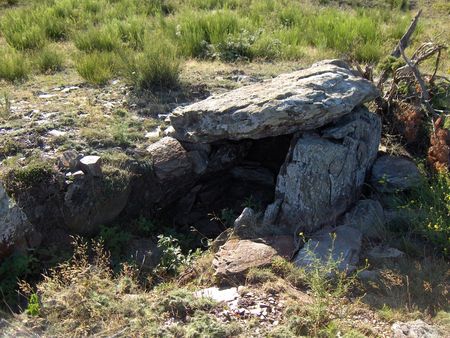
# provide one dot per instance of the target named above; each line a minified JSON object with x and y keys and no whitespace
{"x":324,"y":172}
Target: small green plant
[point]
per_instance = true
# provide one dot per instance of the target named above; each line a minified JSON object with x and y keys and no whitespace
{"x":226,"y":218}
{"x":203,"y":325}
{"x":5,"y":105}
{"x":23,"y":31}
{"x":145,"y":226}
{"x":115,"y":240}
{"x":328,"y":284}
{"x":172,"y":257}
{"x":252,"y":202}
{"x":260,"y":276}
{"x":180,"y":303}
{"x":24,"y":177}
{"x":33,"y":307}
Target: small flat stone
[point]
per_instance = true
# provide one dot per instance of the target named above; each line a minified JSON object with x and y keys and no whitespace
{"x":91,"y":165}
{"x":77,"y":175}
{"x":69,"y":89}
{"x":57,"y":133}
{"x":219,"y":294}
{"x":46,"y":96}
{"x":236,"y":256}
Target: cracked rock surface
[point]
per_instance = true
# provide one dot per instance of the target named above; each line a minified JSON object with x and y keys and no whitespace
{"x":299,"y":101}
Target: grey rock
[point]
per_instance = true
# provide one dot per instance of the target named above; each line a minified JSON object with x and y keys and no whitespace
{"x":175,"y":171}
{"x":169,"y":158}
{"x":394,"y":173}
{"x":414,"y":329}
{"x":383,"y":252}
{"x":367,"y":216}
{"x":237,"y":256}
{"x":342,"y":245}
{"x":88,"y":203}
{"x":323,"y":174}
{"x":91,"y":165}
{"x":16,"y":232}
{"x":298,"y":101}
{"x":247,"y":218}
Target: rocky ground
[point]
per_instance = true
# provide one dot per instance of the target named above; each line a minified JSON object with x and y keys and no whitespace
{"x":298,"y":156}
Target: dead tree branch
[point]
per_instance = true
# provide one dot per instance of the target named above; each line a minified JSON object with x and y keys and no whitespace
{"x":403,"y":43}
{"x":425,"y":97}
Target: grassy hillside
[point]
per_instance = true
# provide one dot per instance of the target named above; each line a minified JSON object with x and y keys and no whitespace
{"x":99,"y":76}
{"x":147,"y":41}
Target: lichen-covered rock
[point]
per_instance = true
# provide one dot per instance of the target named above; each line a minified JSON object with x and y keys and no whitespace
{"x":174,"y":171}
{"x":169,"y":159}
{"x":237,"y":256}
{"x":342,"y":245}
{"x":415,"y":329}
{"x":92,"y":201}
{"x":324,"y":172}
{"x":394,"y":173}
{"x":16,"y":232}
{"x":302,"y":100}
{"x":368,"y":217}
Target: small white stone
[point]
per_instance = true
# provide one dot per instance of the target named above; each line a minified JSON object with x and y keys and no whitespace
{"x":56,"y":133}
{"x":219,"y":295}
{"x":46,"y":96}
{"x":78,"y":174}
{"x":154,"y":134}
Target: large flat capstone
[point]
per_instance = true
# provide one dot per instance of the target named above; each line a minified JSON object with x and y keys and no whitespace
{"x":299,"y":101}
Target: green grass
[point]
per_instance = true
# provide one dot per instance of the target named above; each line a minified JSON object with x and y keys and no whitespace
{"x":49,"y":60}
{"x":97,"y":67}
{"x":102,"y":39}
{"x":166,"y":32}
{"x":158,"y":66}
{"x":13,"y":65}
{"x":426,"y":213}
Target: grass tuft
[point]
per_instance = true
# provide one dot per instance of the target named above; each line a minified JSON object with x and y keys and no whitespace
{"x":97,"y":67}
{"x":13,"y":65}
{"x":49,"y":60}
{"x":158,"y":66}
